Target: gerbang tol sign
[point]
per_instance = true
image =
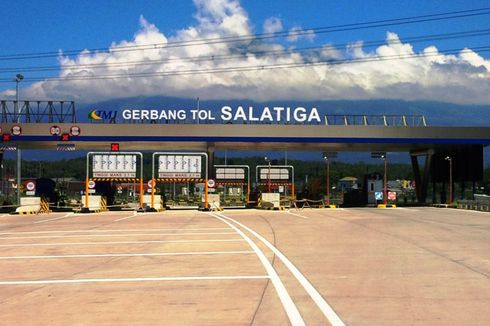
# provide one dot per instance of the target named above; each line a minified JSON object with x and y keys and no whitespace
{"x":228,"y":114}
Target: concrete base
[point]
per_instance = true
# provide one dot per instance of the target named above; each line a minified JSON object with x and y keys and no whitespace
{"x":85,"y":210}
{"x":386,"y":206}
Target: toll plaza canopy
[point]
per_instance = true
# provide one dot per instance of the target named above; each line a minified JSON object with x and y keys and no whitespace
{"x":52,"y":125}
{"x":91,"y":136}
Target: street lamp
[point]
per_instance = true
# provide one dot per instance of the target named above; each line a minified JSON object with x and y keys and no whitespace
{"x":385,"y":181}
{"x":449,"y":158}
{"x":18,"y":79}
{"x":268,"y":174}
{"x":325,"y":157}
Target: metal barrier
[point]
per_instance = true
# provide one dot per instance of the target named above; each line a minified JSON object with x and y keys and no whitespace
{"x":480,"y":203}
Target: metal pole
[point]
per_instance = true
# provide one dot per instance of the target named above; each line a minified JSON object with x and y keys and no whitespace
{"x":153,"y":181}
{"x":328,"y":182}
{"x":19,"y":155}
{"x":206,"y":200}
{"x":385,"y":195}
{"x":18,"y":175}
{"x":269,"y":178}
{"x":141,"y":181}
{"x":450,"y":182}
{"x":292,"y":184}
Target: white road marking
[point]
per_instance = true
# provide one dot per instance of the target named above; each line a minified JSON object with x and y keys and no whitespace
{"x":54,"y":219}
{"x":115,"y":242}
{"x":125,"y":218}
{"x":110,"y":230}
{"x":115,"y":235}
{"x":288,"y":304}
{"x":3,"y":215}
{"x":296,"y":214}
{"x":130,"y":255}
{"x":139,"y":279}
{"x":408,"y":209}
{"x":326,"y":309}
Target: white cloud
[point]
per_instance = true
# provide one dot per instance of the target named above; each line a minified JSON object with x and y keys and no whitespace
{"x":272,"y":25}
{"x":427,"y":75}
{"x":297,"y":33}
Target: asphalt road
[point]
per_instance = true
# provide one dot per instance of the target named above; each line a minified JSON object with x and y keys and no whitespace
{"x":420,"y":266}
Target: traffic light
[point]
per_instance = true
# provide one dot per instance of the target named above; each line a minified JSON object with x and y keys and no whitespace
{"x":115,"y":147}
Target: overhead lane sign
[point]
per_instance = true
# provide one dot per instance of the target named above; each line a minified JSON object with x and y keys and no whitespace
{"x":114,"y":166}
{"x":179,"y":166}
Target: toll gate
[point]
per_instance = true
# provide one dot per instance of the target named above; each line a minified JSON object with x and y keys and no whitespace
{"x":56,"y":128}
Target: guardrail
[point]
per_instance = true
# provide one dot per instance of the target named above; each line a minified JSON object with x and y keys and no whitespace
{"x":480,"y":203}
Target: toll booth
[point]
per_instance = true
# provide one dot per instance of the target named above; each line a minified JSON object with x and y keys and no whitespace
{"x":276,"y":179}
{"x":183,"y":179}
{"x":232,"y":183}
{"x":105,"y":168}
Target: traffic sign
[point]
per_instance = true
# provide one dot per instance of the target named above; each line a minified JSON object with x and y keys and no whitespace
{"x":391,"y":195}
{"x":5,"y":137}
{"x":115,"y":147}
{"x":75,"y":130}
{"x":150,"y":183}
{"x":30,"y":185}
{"x":65,"y":137}
{"x":211,"y":183}
{"x":55,"y":130}
{"x":91,"y":184}
{"x":378,"y":195}
{"x":16,"y":130}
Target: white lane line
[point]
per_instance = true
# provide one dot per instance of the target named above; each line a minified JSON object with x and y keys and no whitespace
{"x":125,"y":218}
{"x":54,"y":219}
{"x":154,"y":254}
{"x":296,"y":214}
{"x":116,"y":235}
{"x":326,"y":309}
{"x":110,"y":230}
{"x":288,"y":304}
{"x":115,"y":242}
{"x":140,"y":279}
{"x":3,"y":215}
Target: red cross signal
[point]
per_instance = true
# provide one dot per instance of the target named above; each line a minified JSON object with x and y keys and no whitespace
{"x":5,"y":137}
{"x":65,"y":137}
{"x":115,"y":147}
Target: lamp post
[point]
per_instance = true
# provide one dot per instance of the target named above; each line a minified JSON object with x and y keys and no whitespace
{"x":385,"y":182}
{"x":18,"y":79}
{"x":327,"y":163}
{"x":268,"y":174}
{"x":449,"y":158}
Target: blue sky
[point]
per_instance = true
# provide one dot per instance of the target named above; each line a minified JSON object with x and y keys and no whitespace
{"x":40,"y":26}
